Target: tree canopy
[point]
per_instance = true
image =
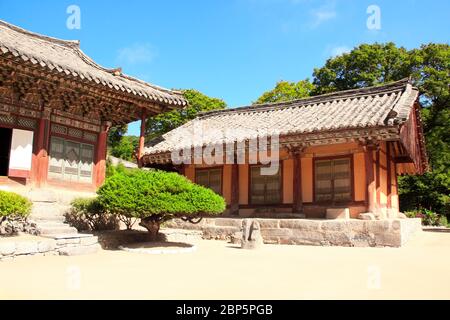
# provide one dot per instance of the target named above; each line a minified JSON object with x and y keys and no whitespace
{"x":286,"y":91}
{"x":198,"y":102}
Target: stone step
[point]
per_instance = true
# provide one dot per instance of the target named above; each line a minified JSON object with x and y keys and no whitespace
{"x":69,"y":236}
{"x":63,"y":229}
{"x":40,"y":208}
{"x":47,"y":218}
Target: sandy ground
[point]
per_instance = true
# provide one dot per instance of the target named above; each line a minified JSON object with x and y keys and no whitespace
{"x":218,"y":270}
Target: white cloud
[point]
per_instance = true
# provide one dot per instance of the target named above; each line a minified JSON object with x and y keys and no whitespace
{"x":323,"y":14}
{"x":137,"y":53}
{"x":339,"y":50}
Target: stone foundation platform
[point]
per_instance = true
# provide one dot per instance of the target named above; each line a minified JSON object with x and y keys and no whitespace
{"x":348,"y":233}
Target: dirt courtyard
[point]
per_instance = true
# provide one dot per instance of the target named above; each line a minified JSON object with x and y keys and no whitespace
{"x":218,"y":270}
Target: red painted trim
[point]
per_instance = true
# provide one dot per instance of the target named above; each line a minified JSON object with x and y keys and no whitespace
{"x":378,"y":178}
{"x":297,"y":184}
{"x":235,"y":188}
{"x":19,"y":173}
{"x":142,"y":137}
{"x":99,"y":172}
{"x":389,"y":175}
{"x":368,"y":158}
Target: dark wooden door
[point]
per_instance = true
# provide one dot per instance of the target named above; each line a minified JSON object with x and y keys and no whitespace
{"x":5,"y":149}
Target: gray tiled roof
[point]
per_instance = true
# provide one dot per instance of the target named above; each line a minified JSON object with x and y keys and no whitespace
{"x":66,"y":58}
{"x":374,"y":107}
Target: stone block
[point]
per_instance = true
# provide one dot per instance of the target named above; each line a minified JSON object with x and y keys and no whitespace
{"x":300,"y":224}
{"x":269,"y":223}
{"x":47,"y":245}
{"x":338,"y":213}
{"x":275,"y":232}
{"x":26,"y":247}
{"x":7,"y":248}
{"x":378,"y":226}
{"x":333,"y":225}
{"x":366,"y":216}
{"x":357,"y":226}
{"x":226,"y":222}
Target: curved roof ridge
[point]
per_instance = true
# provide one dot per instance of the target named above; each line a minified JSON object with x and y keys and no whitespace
{"x":69,"y":43}
{"x":345,"y":94}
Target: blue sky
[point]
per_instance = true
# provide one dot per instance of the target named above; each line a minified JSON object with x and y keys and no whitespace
{"x":231,"y":49}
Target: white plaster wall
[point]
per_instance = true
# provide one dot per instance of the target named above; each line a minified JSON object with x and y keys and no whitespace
{"x":21,"y":150}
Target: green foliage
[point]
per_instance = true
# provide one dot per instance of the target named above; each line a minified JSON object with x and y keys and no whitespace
{"x":125,"y":148}
{"x":112,"y":169}
{"x":429,"y":218}
{"x":115,"y":134}
{"x":286,"y":91}
{"x":89,"y":214}
{"x":198,"y":102}
{"x":366,"y":65}
{"x":141,"y":194}
{"x":14,"y":205}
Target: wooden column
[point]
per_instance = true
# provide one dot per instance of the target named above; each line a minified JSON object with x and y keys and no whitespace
{"x":234,"y":206}
{"x":370,"y":180}
{"x":297,"y":206}
{"x":100,"y":164}
{"x":41,"y":143}
{"x":142,"y":138}
{"x":389,"y":176}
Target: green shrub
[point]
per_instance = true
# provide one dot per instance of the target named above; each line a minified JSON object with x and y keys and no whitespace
{"x":443,"y":221}
{"x":157,"y":196}
{"x":13,"y":205}
{"x":89,"y":214}
{"x":429,"y":218}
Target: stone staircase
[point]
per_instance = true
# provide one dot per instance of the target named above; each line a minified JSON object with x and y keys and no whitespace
{"x":48,"y":215}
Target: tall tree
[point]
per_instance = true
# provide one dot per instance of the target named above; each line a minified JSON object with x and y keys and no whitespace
{"x":198,"y":102}
{"x":285,"y":91}
{"x":125,"y":148}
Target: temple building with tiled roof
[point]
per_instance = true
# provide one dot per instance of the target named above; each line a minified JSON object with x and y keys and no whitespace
{"x":56,"y":106}
{"x":340,"y":151}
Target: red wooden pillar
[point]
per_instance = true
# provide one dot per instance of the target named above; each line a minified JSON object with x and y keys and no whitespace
{"x":297,"y":206}
{"x":39,"y":164}
{"x":142,"y":138}
{"x":389,"y":176}
{"x":370,"y":180}
{"x":100,"y":164}
{"x":234,"y":206}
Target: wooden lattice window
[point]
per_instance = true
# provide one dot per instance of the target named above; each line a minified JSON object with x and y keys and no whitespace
{"x":71,"y":160}
{"x":333,"y":180}
{"x":210,"y":178}
{"x":264,"y":189}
